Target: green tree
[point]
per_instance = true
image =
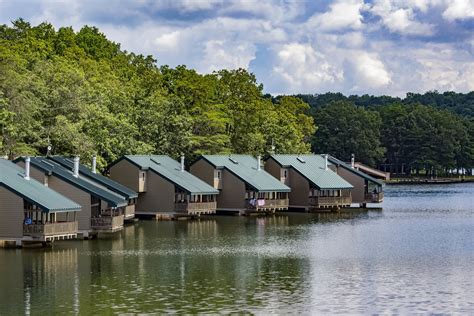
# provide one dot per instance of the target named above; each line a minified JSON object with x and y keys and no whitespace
{"x":344,"y":129}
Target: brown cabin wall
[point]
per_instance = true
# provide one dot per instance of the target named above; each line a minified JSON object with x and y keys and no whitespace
{"x":273,"y":168}
{"x":204,"y":171}
{"x":77,"y":195}
{"x":358,"y":192}
{"x":126,"y":174}
{"x":232,"y":194}
{"x":11,"y":213}
{"x":299,"y":195}
{"x":159,"y":196}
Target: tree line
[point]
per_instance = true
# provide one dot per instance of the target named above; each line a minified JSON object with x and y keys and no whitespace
{"x":402,"y":138}
{"x":81,"y":94}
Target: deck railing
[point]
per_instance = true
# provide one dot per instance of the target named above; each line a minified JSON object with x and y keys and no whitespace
{"x":107,"y":223}
{"x":50,"y":229}
{"x":262,"y":204}
{"x":374,"y":197}
{"x":195,"y":207}
{"x":328,"y":201}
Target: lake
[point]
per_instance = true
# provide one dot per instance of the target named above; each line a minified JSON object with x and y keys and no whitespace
{"x":415,"y":256}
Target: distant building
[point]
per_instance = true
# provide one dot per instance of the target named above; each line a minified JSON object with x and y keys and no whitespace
{"x":367,"y":189}
{"x":102,"y":209}
{"x":32,"y":212}
{"x":243,"y":185}
{"x":130,"y":195}
{"x":313,"y":184}
{"x":164,"y":187}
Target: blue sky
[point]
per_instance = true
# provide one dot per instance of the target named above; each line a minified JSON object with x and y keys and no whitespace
{"x":352,"y":46}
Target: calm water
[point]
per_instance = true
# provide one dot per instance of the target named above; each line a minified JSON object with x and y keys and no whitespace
{"x":415,"y":256}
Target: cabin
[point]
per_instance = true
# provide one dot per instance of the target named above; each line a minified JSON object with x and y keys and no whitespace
{"x":31,"y":212}
{"x":366,"y":189}
{"x":91,"y":174}
{"x":313,"y":184}
{"x":244,"y":186}
{"x":102,"y":209}
{"x":165,"y":189}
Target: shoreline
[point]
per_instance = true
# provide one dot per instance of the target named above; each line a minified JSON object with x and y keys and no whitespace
{"x":429,"y":181}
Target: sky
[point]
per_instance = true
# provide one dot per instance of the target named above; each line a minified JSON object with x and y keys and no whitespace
{"x":351,"y":46}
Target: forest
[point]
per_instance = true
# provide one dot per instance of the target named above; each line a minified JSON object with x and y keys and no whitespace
{"x":81,"y":94}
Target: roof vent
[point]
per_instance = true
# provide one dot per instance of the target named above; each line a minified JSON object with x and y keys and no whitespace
{"x":233,"y":160}
{"x":75,"y":169}
{"x":301,"y":160}
{"x":155,"y":161}
{"x":27,"y":168}
{"x":94,"y":164}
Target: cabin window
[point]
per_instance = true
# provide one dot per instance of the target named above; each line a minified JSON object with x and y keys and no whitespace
{"x":218,"y":174}
{"x":285,"y":173}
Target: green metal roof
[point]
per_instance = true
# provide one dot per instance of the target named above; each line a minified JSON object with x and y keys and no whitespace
{"x":346,"y":166}
{"x":13,"y":178}
{"x":50,"y":167}
{"x":245,"y":168}
{"x":312,"y":168}
{"x":170,"y":169}
{"x":86,"y":172}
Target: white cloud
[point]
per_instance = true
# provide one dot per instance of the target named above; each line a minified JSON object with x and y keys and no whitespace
{"x":302,"y":68}
{"x":168,"y":41}
{"x":401,"y":20}
{"x":369,"y":71}
{"x":459,"y":10}
{"x":341,"y":15}
{"x":223,"y":55}
{"x":443,"y":68}
{"x":336,"y":50}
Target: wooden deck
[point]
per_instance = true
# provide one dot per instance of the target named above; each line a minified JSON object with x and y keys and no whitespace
{"x":267,"y":205}
{"x":329,"y":201}
{"x":51,"y":231}
{"x":107,"y":224}
{"x":195,"y":208}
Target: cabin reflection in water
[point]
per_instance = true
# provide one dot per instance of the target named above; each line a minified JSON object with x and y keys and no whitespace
{"x":24,"y":275}
{"x":202,"y":228}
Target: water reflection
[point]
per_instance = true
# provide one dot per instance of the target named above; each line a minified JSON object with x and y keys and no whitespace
{"x":348,"y":262}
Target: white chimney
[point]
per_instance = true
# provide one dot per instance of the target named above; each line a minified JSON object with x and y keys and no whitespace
{"x":76,"y":167}
{"x":94,"y":164}
{"x":259,"y":158}
{"x":325,"y":162}
{"x":27,"y":168}
{"x":353,"y":161}
{"x":182,"y":163}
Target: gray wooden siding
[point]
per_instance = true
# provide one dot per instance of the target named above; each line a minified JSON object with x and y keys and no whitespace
{"x":358,"y":193}
{"x":159,"y":196}
{"x":126,"y":174}
{"x":299,"y":189}
{"x":77,"y":195}
{"x":11,"y":214}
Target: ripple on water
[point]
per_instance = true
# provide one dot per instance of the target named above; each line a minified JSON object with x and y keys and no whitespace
{"x":414,"y":257}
